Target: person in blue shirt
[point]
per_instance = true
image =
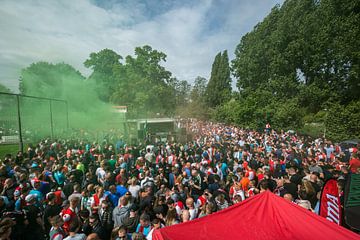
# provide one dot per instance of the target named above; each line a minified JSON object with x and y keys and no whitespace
{"x":59,"y":176}
{"x":121,"y":189}
{"x":37,"y":193}
{"x":144,"y":226}
{"x":112,"y":195}
{"x":224,"y":169}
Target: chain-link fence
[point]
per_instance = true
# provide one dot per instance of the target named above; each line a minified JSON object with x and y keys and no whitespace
{"x":28,"y":119}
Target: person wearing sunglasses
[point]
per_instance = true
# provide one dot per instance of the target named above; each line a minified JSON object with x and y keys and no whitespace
{"x":122,"y":234}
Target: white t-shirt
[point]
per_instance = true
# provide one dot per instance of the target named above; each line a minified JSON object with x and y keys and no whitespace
{"x":134,"y":190}
{"x":100,"y":173}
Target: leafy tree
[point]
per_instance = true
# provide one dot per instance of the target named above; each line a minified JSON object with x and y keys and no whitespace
{"x":343,"y":122}
{"x":104,"y":65}
{"x":182,"y":90}
{"x":218,"y":90}
{"x":303,"y":57}
{"x":199,"y":89}
{"x":50,"y":80}
{"x":144,"y":85}
{"x":196,"y":106}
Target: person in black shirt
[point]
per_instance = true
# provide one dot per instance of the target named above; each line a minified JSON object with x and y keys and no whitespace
{"x":294,"y":176}
{"x":51,"y":210}
{"x":34,"y":229}
{"x":290,"y":187}
{"x":97,"y":228}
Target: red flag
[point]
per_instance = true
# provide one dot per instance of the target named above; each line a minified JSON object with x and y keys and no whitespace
{"x":330,"y":207}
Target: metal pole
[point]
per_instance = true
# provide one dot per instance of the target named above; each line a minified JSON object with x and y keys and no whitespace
{"x":21,"y":144}
{"x":51,"y":121}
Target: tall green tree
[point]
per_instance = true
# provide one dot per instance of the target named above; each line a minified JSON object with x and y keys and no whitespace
{"x":144,"y":84}
{"x":218,"y":90}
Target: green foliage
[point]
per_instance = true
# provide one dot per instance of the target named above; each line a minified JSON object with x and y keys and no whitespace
{"x":218,"y":89}
{"x":145,"y":86}
{"x":198,"y":91}
{"x":301,"y":59}
{"x":104,"y":65}
{"x":343,"y":122}
{"x":182,"y":89}
{"x":195,"y":105}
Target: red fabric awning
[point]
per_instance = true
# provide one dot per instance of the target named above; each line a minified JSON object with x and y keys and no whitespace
{"x":264,"y":216}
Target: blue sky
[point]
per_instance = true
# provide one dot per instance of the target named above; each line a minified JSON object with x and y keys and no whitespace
{"x":191,"y":33}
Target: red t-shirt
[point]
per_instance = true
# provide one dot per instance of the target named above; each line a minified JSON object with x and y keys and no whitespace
{"x":67,"y":215}
{"x":354,"y":165}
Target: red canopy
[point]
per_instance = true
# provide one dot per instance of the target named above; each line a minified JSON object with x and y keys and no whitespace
{"x":264,"y":216}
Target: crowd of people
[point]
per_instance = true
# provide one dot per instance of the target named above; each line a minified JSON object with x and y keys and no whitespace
{"x":76,"y":189}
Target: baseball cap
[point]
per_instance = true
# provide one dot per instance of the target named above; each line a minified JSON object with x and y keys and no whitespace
{"x":66,"y":202}
{"x":17,"y":193}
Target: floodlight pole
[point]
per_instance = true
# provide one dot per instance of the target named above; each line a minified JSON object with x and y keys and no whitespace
{"x":21,"y":144}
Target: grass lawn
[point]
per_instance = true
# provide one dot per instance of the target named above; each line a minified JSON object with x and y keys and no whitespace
{"x":8,"y":148}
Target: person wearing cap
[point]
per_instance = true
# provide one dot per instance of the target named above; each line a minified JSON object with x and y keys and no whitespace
{"x":34,"y":229}
{"x":20,"y":202}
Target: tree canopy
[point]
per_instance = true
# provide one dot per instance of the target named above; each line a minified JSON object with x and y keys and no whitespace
{"x":218,"y":90}
{"x":301,"y":59}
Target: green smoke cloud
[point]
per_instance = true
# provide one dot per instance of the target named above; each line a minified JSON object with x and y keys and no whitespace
{"x":61,"y":81}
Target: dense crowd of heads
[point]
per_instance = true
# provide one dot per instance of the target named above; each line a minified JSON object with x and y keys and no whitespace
{"x":75,"y":189}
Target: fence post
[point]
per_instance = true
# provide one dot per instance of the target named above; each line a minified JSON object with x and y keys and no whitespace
{"x":21,"y":144}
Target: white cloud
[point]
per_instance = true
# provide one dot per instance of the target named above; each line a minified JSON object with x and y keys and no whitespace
{"x":68,"y":31}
